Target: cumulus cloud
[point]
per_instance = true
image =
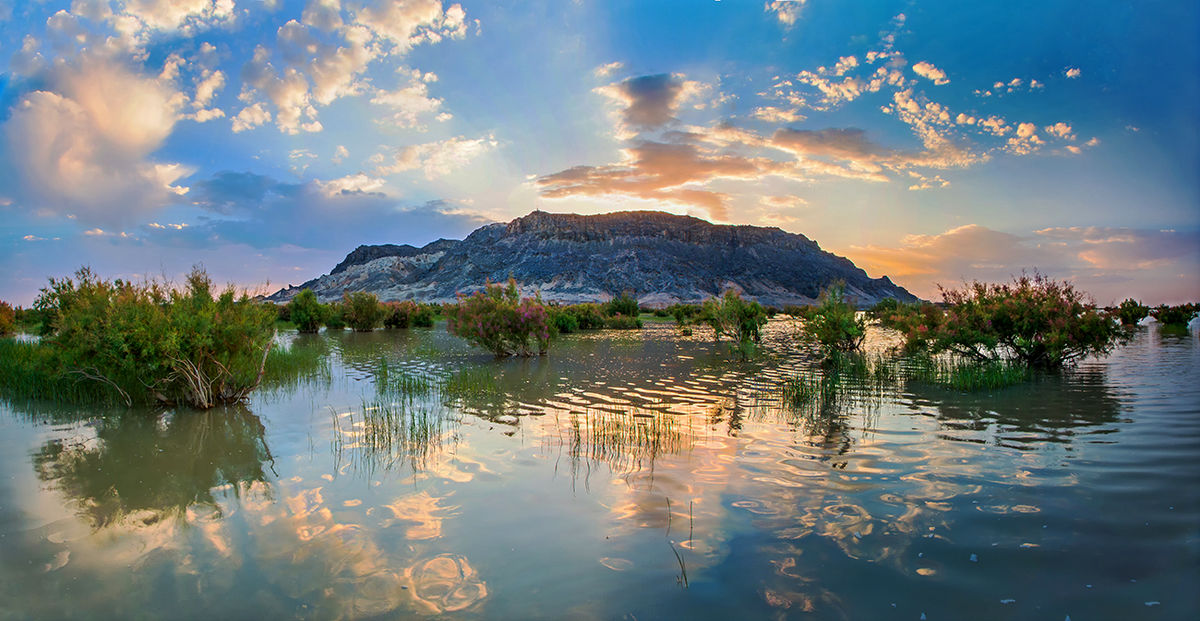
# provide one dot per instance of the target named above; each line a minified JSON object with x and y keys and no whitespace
{"x":650,"y":101}
{"x":1072,"y":72}
{"x":406,"y":23}
{"x":786,"y":11}
{"x":435,"y":159}
{"x":251,"y":117}
{"x":929,"y":72}
{"x":82,"y":145}
{"x":411,"y":102}
{"x":772,"y":114}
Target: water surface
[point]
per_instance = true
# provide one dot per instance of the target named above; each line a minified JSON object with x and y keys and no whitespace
{"x":625,"y":476}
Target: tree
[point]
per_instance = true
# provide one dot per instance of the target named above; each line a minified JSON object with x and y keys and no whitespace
{"x":1130,"y":312}
{"x":1040,"y":322}
{"x":736,"y":318}
{"x":834,"y":322}
{"x":500,"y":321}
{"x":8,"y":319}
{"x":363,"y":310}
{"x":307,"y":312}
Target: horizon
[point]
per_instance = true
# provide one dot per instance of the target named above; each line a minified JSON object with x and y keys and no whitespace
{"x":926,"y":142}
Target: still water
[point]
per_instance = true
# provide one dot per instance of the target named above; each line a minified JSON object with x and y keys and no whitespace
{"x":625,"y":476}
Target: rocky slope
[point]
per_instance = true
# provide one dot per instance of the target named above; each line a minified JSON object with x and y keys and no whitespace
{"x":662,"y":258}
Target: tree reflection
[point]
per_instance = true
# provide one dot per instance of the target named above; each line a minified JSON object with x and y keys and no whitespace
{"x":157,"y":464}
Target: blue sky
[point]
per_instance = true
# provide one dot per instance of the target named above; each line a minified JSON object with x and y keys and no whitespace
{"x":928,"y":141}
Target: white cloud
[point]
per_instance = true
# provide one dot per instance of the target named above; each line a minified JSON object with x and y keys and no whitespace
{"x":786,"y":11}
{"x":251,"y":117}
{"x":358,"y":183}
{"x":340,"y":154}
{"x":1072,"y":72}
{"x":603,"y":71}
{"x":929,"y":72}
{"x":410,"y":103}
{"x":772,"y":114}
{"x":436,"y":159}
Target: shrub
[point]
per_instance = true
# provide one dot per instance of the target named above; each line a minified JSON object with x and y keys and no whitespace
{"x":883,"y":308}
{"x":662,"y":313}
{"x":588,"y":315}
{"x":622,"y":322}
{"x":407,"y":313}
{"x":307,"y":312}
{"x":498,"y":320}
{"x":150,"y":342}
{"x":1130,"y":312}
{"x":1034,"y":320}
{"x":683,"y":313}
{"x":335,"y":316}
{"x":564,"y":322}
{"x":624,"y":304}
{"x":834,"y":323}
{"x":736,"y":318}
{"x":423,"y":318}
{"x":1174,"y":318}
{"x":363,"y":311}
{"x":8,"y":319}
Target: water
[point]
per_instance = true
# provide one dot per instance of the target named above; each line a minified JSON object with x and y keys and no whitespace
{"x":627,"y":475}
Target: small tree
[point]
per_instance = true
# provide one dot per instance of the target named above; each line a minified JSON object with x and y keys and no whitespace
{"x":307,"y":312}
{"x":1174,"y":317}
{"x":834,"y":322}
{"x":8,"y":319}
{"x":363,"y":311}
{"x":736,"y":318}
{"x":624,"y":304}
{"x":1038,"y":321}
{"x":500,"y":321}
{"x":1130,"y":312}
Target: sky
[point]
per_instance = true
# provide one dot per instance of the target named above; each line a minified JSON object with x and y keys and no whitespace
{"x":932,"y":142}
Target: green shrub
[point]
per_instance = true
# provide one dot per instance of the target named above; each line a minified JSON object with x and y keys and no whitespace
{"x":500,"y":321}
{"x":884,"y":308}
{"x":1037,"y":321}
{"x":407,"y":313}
{"x":149,"y":342}
{"x":335,"y":316}
{"x":622,"y":322}
{"x":624,"y":304}
{"x":363,"y":310}
{"x":834,"y":323}
{"x":563,"y":321}
{"x":307,"y":312}
{"x":683,"y":313}
{"x":1130,"y":312}
{"x":736,"y":318}
{"x":8,"y":319}
{"x":1177,"y":316}
{"x":588,"y":315}
{"x":662,"y":313}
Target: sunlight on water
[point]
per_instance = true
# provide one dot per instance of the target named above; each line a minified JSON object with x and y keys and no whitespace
{"x":625,"y":475}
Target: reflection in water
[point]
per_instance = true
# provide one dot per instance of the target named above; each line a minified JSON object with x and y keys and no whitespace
{"x":157,"y":466}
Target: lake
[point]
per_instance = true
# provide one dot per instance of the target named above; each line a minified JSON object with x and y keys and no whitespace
{"x":627,"y":475}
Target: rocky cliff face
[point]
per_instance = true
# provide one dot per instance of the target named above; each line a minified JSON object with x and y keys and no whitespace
{"x":662,"y":258}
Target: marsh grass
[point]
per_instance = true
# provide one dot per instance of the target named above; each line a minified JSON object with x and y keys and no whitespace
{"x":628,"y":441}
{"x":966,"y":375}
{"x":384,"y":435}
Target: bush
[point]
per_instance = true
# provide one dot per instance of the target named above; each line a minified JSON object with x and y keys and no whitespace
{"x":736,"y":318}
{"x":622,"y":322}
{"x":1034,"y":320}
{"x":8,"y":319}
{"x":683,"y":313}
{"x":624,"y":304}
{"x":307,"y":312}
{"x":363,"y":310}
{"x":149,"y":342}
{"x":662,"y":313}
{"x":498,"y":320}
{"x":834,"y":323}
{"x":1130,"y":312}
{"x":884,"y":308}
{"x":335,"y":316}
{"x":563,"y":321}
{"x":407,"y":313}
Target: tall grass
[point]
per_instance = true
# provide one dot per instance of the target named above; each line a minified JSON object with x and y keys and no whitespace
{"x":384,"y":435}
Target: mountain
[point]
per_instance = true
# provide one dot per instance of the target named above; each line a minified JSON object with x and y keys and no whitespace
{"x":663,"y":258}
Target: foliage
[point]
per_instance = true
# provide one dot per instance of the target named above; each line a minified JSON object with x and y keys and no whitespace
{"x":736,"y":318}
{"x":335,"y":316}
{"x":684,"y":313}
{"x":563,"y":321}
{"x":622,"y":322}
{"x":8,"y":319}
{"x":1174,"y":315}
{"x":624,"y":304}
{"x":1130,"y":312}
{"x":568,"y":319}
{"x":662,"y":313}
{"x":307,"y":312}
{"x":834,"y":323}
{"x":500,"y":321}
{"x":884,"y":308}
{"x":151,"y":342}
{"x":407,"y":313}
{"x":363,"y":311}
{"x":1037,"y":321}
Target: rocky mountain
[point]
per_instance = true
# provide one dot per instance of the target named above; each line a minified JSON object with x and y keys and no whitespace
{"x":663,"y":258}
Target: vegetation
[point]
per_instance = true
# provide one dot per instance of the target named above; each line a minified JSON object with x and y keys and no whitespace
{"x":407,"y":314}
{"x":500,"y":321}
{"x":834,"y":323}
{"x":117,"y":341}
{"x":736,"y":318}
{"x":1130,"y":312}
{"x":363,"y":311}
{"x":623,"y":322}
{"x":8,"y":319}
{"x":624,"y":304}
{"x":1174,"y":315}
{"x":307,"y":312}
{"x":1036,"y":321}
{"x":335,"y":316}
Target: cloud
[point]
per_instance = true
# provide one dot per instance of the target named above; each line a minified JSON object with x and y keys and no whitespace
{"x":251,"y":117}
{"x":650,"y":101}
{"x":786,"y":11}
{"x":603,"y":71}
{"x":772,"y":114}
{"x":929,"y":72}
{"x":410,"y":103}
{"x":82,"y":145}
{"x":1072,"y":72}
{"x":436,"y":159}
{"x":406,"y":23}
{"x":1110,"y":263}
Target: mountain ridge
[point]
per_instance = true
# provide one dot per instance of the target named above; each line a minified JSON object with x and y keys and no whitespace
{"x":662,"y":258}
